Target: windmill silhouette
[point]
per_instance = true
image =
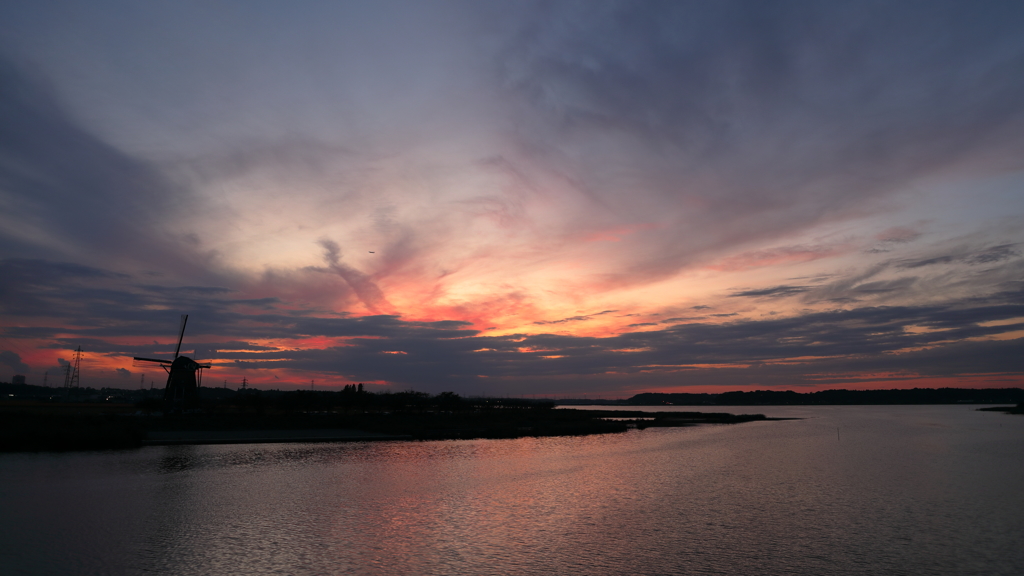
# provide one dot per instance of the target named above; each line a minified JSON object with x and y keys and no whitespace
{"x":182,"y":391}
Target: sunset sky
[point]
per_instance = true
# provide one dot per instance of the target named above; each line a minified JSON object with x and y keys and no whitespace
{"x":515,"y":198}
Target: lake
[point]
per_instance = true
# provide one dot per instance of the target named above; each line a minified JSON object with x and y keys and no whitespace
{"x":845,"y":490}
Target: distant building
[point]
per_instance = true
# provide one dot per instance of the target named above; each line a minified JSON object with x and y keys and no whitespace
{"x":18,"y":379}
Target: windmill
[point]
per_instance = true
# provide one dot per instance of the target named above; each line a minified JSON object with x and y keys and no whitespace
{"x":182,"y":391}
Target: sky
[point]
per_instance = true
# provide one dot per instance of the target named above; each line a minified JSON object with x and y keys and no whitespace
{"x":531,"y":198}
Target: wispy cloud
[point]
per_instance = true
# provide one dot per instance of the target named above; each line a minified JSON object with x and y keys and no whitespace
{"x":574,"y":318}
{"x":988,"y":255}
{"x":369,"y":293}
{"x":773,"y":292}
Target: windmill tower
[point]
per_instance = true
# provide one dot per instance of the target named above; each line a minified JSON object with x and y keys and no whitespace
{"x":182,"y":390}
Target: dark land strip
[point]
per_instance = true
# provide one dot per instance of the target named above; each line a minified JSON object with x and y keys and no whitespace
{"x":37,"y":418}
{"x":56,"y":426}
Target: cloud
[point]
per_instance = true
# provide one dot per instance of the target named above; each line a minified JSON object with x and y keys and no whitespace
{"x":899,"y":235}
{"x":370,"y":295}
{"x":70,"y":193}
{"x":741,"y":121}
{"x":510,"y":165}
{"x":695,"y":129}
{"x":574,"y":318}
{"x":437,"y":355}
{"x":988,"y":255}
{"x":13,"y":361}
{"x":773,"y":292}
{"x":856,"y":342}
{"x":882,"y":286}
{"x":777,"y":256}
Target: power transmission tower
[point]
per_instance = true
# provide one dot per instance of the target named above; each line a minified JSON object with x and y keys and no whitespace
{"x":72,"y":376}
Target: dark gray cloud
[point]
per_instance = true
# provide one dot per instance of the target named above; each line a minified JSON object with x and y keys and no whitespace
{"x":75,"y":194}
{"x":13,"y":361}
{"x":987,"y":255}
{"x":574,"y":318}
{"x":702,"y":76}
{"x":884,"y":286}
{"x":975,"y":267}
{"x":937,"y":340}
{"x":773,"y":292}
{"x":191,"y":290}
{"x":773,"y":115}
{"x":844,"y":343}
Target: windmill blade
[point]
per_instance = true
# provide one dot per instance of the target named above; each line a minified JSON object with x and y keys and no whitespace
{"x":137,"y":359}
{"x":184,"y":320}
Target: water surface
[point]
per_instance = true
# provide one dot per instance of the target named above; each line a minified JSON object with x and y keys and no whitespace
{"x":847,"y":490}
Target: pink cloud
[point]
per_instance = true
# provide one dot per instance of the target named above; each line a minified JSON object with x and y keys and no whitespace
{"x":778,"y":256}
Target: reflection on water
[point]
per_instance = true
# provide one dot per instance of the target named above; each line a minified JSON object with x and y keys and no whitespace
{"x":178,"y":459}
{"x":932,"y":489}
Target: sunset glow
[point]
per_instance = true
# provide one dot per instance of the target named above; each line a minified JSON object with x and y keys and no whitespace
{"x":514,"y":198}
